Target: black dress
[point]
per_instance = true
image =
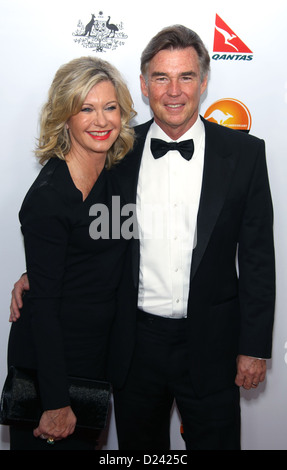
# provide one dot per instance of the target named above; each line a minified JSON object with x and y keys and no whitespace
{"x":74,"y":265}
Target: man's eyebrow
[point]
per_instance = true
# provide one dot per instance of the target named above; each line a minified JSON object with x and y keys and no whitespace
{"x":190,"y":72}
{"x":183,"y":74}
{"x":159,"y":74}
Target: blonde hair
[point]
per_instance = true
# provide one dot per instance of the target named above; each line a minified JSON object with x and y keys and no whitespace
{"x":71,"y":84}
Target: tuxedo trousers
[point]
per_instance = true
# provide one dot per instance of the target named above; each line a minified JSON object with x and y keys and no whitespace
{"x":159,"y":375}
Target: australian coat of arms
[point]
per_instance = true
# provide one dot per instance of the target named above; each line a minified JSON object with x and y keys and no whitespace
{"x":100,"y":33}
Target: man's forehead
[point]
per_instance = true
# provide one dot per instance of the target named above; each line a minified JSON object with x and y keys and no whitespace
{"x":177,"y":60}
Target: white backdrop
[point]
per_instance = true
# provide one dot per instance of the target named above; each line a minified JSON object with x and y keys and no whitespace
{"x":36,"y":40}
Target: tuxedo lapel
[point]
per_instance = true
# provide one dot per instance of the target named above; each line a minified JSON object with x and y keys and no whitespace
{"x":219,"y":164}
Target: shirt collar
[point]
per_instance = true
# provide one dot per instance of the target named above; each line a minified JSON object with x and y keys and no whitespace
{"x":196,"y":132}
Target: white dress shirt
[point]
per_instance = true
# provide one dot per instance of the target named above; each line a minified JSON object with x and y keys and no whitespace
{"x":167,"y":205}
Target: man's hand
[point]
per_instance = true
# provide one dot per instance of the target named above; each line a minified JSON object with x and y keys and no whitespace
{"x":250,"y":372}
{"x":17,"y":293}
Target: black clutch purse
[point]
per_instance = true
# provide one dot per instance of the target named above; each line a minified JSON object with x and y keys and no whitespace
{"x":20,"y":400}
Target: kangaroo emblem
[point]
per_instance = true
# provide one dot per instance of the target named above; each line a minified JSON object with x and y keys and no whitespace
{"x":89,"y":26}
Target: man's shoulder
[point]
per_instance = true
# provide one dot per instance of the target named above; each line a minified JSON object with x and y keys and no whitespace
{"x":142,"y":129}
{"x":133,"y":156}
{"x":233,"y":135}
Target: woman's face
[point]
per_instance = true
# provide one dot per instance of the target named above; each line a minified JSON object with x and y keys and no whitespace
{"x":96,"y":127}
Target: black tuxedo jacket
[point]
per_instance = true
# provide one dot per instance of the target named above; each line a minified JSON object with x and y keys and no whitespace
{"x":228,"y":314}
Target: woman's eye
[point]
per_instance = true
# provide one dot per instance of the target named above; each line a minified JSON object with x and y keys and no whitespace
{"x":86,"y":110}
{"x":111,"y":108}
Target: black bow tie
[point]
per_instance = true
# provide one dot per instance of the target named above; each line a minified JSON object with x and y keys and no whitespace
{"x":159,"y":148}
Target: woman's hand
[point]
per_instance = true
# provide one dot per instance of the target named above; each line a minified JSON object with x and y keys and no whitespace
{"x":56,"y":424}
{"x":17,"y":293}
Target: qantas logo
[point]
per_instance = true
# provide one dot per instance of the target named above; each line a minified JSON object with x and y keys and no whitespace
{"x":227,"y":45}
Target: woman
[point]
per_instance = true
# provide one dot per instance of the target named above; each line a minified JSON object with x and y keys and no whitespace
{"x":67,"y":313}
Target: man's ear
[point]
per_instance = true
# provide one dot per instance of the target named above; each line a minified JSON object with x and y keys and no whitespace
{"x":204,"y":84}
{"x":144,"y":87}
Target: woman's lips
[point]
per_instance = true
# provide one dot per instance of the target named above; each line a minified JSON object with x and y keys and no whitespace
{"x":100,"y":135}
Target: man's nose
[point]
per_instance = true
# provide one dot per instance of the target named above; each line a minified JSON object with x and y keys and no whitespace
{"x":174,"y":88}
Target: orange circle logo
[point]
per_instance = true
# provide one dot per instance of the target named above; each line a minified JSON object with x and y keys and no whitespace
{"x":231,"y":113}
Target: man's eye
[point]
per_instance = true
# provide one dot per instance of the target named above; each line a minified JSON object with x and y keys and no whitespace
{"x":161,"y":79}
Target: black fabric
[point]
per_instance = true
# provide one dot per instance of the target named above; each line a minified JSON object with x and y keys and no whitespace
{"x":65,"y":322}
{"x":159,"y":375}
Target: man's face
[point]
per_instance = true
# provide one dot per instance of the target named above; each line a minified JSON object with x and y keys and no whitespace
{"x":174,"y":88}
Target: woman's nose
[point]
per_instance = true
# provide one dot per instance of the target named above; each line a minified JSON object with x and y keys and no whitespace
{"x":100,"y":119}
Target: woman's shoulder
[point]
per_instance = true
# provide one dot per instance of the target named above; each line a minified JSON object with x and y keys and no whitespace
{"x":51,"y":188}
{"x":52,"y":174}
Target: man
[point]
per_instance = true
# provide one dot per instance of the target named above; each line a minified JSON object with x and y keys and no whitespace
{"x":201,"y":331}
{"x":189,"y":328}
